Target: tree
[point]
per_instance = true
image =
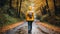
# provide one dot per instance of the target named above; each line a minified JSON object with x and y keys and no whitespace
{"x":10,"y":3}
{"x":48,"y":8}
{"x":19,"y":7}
{"x":56,"y":7}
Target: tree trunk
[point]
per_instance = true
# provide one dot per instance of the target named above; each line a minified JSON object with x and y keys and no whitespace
{"x":10,"y":3}
{"x":55,"y":6}
{"x":19,"y":7}
{"x":48,"y":8}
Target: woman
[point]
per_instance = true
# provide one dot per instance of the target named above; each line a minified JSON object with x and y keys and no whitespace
{"x":30,"y":19}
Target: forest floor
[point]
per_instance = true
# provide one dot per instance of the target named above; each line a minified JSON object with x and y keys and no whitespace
{"x":49,"y":26}
{"x":11,"y":26}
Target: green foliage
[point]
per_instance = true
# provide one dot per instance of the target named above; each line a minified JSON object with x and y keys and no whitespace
{"x":44,"y":18}
{"x":12,"y":12}
{"x":6,"y":20}
{"x":53,"y":20}
{"x":22,"y":16}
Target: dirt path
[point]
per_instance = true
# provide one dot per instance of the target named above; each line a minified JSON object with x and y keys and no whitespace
{"x":37,"y":28}
{"x":54,"y":28}
{"x":5,"y":28}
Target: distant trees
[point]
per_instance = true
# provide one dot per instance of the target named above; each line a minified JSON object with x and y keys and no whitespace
{"x":4,"y":6}
{"x":14,"y":11}
{"x":8,"y":12}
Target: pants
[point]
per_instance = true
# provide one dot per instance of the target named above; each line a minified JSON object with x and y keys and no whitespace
{"x":29,"y":26}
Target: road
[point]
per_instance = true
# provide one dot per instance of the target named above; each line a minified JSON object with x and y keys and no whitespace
{"x":36,"y":29}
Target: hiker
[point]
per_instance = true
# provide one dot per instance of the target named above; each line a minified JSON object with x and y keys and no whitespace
{"x":30,"y":19}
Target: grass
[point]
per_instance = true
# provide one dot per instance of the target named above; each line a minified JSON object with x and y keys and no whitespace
{"x":5,"y":20}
